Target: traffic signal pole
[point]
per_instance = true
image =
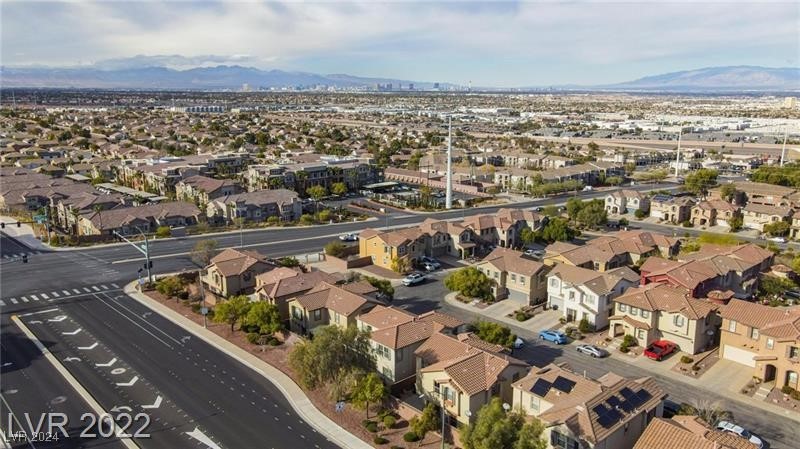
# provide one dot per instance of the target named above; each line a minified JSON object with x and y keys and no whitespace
{"x":144,"y":250}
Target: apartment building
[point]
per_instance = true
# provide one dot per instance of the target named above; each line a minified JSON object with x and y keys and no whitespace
{"x":713,"y":212}
{"x":202,"y":189}
{"x":280,"y":285}
{"x":756,"y":216}
{"x":578,"y":412}
{"x":514,"y":276}
{"x":133,"y":220}
{"x":661,"y":311}
{"x":327,"y":304}
{"x":582,"y":293}
{"x":612,"y":250}
{"x":255,"y":206}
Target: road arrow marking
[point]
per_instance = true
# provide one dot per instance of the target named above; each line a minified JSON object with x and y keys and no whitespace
{"x":156,"y":404}
{"x":34,"y":322}
{"x":72,"y":359}
{"x":146,"y":314}
{"x":75,"y":332}
{"x":88,"y":348}
{"x":185,"y":339}
{"x":129,"y":383}
{"x":201,"y":437}
{"x":109,"y":363}
{"x":58,"y":319}
{"x":121,"y":408}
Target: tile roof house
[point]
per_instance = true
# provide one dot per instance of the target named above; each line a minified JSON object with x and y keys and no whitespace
{"x":626,"y":201}
{"x":582,"y":293}
{"x":202,"y":189}
{"x":713,"y":213}
{"x":683,"y":432}
{"x":714,"y":267}
{"x":580,"y":412}
{"x":256,"y":206}
{"x":327,"y":304}
{"x":515,"y":276}
{"x":764,"y":338}
{"x":280,"y":285}
{"x":671,"y":209}
{"x":612,"y":250}
{"x":147,"y":218}
{"x":395,"y":334}
{"x":756,"y":216}
{"x":661,"y":311}
{"x":463,"y":374}
{"x":384,"y":247}
{"x":233,"y":272}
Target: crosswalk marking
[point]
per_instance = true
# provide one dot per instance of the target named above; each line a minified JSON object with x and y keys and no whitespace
{"x":24,"y":299}
{"x":94,"y":287}
{"x":55,"y":294}
{"x":115,"y":285}
{"x":65,"y":292}
{"x":103,"y":286}
{"x":13,"y":300}
{"x":44,"y":296}
{"x":77,"y":292}
{"x":87,"y":290}
{"x":2,"y":303}
{"x":34,"y":297}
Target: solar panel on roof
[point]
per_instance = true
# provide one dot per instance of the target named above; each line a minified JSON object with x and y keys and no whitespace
{"x":627,"y":406}
{"x":541,"y":387}
{"x":642,"y":396}
{"x":614,"y":414}
{"x":599,"y":409}
{"x":563,"y":384}
{"x":613,"y":401}
{"x":627,"y":393}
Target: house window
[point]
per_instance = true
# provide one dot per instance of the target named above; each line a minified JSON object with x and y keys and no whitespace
{"x":387,"y":372}
{"x":754,"y":333}
{"x":496,"y":274}
{"x":731,"y":326}
{"x":513,"y":278}
{"x":794,"y":352}
{"x":770,"y":343}
{"x":640,"y":334}
{"x":571,"y":295}
{"x":535,"y":403}
{"x":318,"y":314}
{"x":561,"y":441}
{"x":554,"y":282}
{"x":634,"y":311}
{"x":623,"y":307}
{"x":645,"y":314}
{"x":522,"y":280}
{"x":678,"y":320}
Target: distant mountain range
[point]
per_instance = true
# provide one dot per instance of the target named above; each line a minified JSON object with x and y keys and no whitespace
{"x":232,"y":77}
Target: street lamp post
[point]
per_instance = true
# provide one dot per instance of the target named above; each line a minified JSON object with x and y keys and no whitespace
{"x":146,"y":254}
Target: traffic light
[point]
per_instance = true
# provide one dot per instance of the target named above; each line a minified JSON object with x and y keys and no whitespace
{"x":151,"y":265}
{"x":24,"y":258}
{"x":2,"y":225}
{"x":19,"y":224}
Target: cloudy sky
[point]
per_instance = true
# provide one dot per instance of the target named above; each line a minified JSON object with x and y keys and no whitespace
{"x":488,"y":43}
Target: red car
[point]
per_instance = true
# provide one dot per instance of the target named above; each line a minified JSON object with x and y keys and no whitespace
{"x":657,"y":350}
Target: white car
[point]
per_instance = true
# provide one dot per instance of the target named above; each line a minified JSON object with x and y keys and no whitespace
{"x":349,"y":237}
{"x":413,"y":279}
{"x":537,"y":253}
{"x":428,"y":266}
{"x":778,"y":239}
{"x":519,"y":343}
{"x":588,"y":189}
{"x":730,"y":427}
{"x":592,"y":350}
{"x":430,"y":261}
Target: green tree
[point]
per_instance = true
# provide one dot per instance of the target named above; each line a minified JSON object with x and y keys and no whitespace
{"x":169,"y":286}
{"x":400,"y":264}
{"x":736,"y":222}
{"x":232,"y":310}
{"x":527,"y":236}
{"x":778,"y":228}
{"x":557,"y":230}
{"x":496,"y":428}
{"x":593,"y":214}
{"x":339,"y":188}
{"x":335,"y":248}
{"x":370,"y":390}
{"x":494,"y":333}
{"x":263,"y":318}
{"x":163,"y":232}
{"x":426,"y":422}
{"x":306,"y":219}
{"x":333,"y":352}
{"x":317,"y":192}
{"x":699,"y":181}
{"x":550,"y":211}
{"x":384,"y":286}
{"x":288,"y":262}
{"x":469,"y":282}
{"x":413,"y":161}
{"x":574,"y":207}
{"x":614,"y":180}
{"x":727,"y":192}
{"x":640,"y":213}
{"x":203,"y":251}
{"x":771,"y":286}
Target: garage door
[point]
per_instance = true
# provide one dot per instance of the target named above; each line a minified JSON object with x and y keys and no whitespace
{"x":738,"y":355}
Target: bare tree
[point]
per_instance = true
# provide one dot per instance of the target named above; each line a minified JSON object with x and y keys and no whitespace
{"x":203,"y":252}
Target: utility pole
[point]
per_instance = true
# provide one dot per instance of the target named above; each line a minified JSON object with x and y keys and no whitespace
{"x":448,"y":202}
{"x":678,"y":158}
{"x":145,"y":250}
{"x":783,"y":151}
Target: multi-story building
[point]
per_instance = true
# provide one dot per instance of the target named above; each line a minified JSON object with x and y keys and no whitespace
{"x":581,"y":293}
{"x":713,"y":212}
{"x":756,"y":216}
{"x":626,"y":201}
{"x":327,"y":304}
{"x":515,"y":276}
{"x":686,"y":431}
{"x":613,"y":250}
{"x":202,"y":189}
{"x":578,"y":412}
{"x":132,"y":220}
{"x":256,"y":206}
{"x":672,"y":209}
{"x":233,"y":272}
{"x":661,"y":311}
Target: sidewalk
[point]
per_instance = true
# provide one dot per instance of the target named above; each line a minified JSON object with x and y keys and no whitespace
{"x":291,"y":391}
{"x":498,"y":311}
{"x":24,"y":234}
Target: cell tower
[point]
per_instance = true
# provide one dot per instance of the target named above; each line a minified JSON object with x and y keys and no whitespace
{"x":448,"y":199}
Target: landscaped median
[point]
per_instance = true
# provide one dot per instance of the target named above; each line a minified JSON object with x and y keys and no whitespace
{"x":270,"y":363}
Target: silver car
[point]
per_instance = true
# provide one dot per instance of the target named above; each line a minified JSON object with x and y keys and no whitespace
{"x":592,"y":350}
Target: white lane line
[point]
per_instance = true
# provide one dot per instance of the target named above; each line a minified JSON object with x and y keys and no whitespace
{"x":115,"y":285}
{"x":78,"y":292}
{"x":13,"y":300}
{"x":94,"y":287}
{"x":87,"y":290}
{"x":103,"y":286}
{"x":88,"y":348}
{"x":107,"y":364}
{"x":55,"y":294}
{"x":128,"y":383}
{"x":2,"y":303}
{"x":198,"y":435}
{"x":135,"y":323}
{"x":44,"y":296}
{"x":75,"y":332}
{"x":41,"y":311}
{"x":155,"y":404}
{"x":66,"y":292}
{"x":24,"y":299}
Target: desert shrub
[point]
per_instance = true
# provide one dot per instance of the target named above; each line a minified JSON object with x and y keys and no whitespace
{"x":410,"y":437}
{"x":389,"y":421}
{"x":379,"y":440}
{"x":371,"y":426}
{"x":686,"y":359}
{"x":252,"y":337}
{"x":584,"y":326}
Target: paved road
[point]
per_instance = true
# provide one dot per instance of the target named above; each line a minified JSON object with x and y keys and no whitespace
{"x":779,"y":431}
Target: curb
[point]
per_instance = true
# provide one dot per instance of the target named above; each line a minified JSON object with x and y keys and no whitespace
{"x":290,"y":390}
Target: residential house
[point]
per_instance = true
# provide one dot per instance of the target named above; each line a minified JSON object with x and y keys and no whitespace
{"x":504,"y":227}
{"x":661,"y":311}
{"x":233,"y":272}
{"x":394,"y":336}
{"x":280,"y":285}
{"x":794,"y":230}
{"x":758,"y":193}
{"x":582,"y":293}
{"x":68,"y":210}
{"x":386,"y":247}
{"x":613,"y":250}
{"x":671,"y":209}
{"x":578,"y":412}
{"x":133,"y":220}
{"x":756,"y":216}
{"x":447,"y":238}
{"x":202,"y":189}
{"x":463,"y":374}
{"x":686,"y":431}
{"x":514,"y":276}
{"x":764,"y":338}
{"x":256,"y":206}
{"x":626,"y":201}
{"x":714,"y":212}
{"x":327,"y":304}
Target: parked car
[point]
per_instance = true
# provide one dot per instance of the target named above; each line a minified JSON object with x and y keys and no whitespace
{"x":778,"y":239}
{"x":588,"y":189}
{"x":535,"y":253}
{"x":351,"y":237}
{"x":519,"y":343}
{"x":430,"y":260}
{"x":659,"y":349}
{"x":556,"y":337}
{"x":538,"y":209}
{"x":413,"y":279}
{"x":730,"y":427}
{"x":429,"y":266}
{"x":592,"y":350}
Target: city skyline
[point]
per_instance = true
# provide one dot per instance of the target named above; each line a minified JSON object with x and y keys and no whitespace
{"x":503,"y":44}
